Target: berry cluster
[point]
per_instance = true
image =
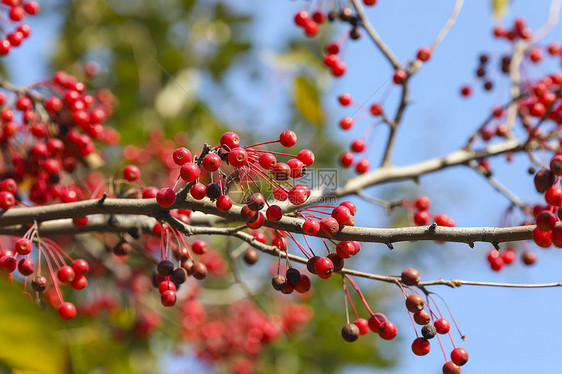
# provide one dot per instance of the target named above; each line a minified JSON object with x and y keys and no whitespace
{"x":48,"y":130}
{"x":62,"y":269}
{"x":548,"y":182}
{"x":14,"y":12}
{"x":234,"y":335}
{"x":433,"y":324}
{"x":245,"y":166}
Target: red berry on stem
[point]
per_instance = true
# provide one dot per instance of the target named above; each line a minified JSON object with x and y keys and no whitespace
{"x":459,"y":356}
{"x":166,"y":197}
{"x":451,"y":368}
{"x":66,"y":274}
{"x":267,"y":161}
{"x":131,"y":173}
{"x":212,"y":162}
{"x":421,"y":346}
{"x":23,"y":246}
{"x":376,"y":321}
{"x":442,"y":325}
{"x":306,"y":156}
{"x":311,"y":226}
{"x":346,"y":159}
{"x":230,"y":140}
{"x":362,"y":166}
{"x":181,"y":156}
{"x":67,"y":311}
{"x":238,"y":157}
{"x":399,"y":76}
{"x":198,"y":191}
{"x":224,"y":203}
{"x":388,"y":330}
{"x":324,"y":267}
{"x":346,"y":123}
{"x":168,"y":298}
{"x":424,"y":54}
{"x":345,"y":99}
{"x":329,"y":226}
{"x":274,"y":213}
{"x":363,"y":325}
{"x":189,"y":172}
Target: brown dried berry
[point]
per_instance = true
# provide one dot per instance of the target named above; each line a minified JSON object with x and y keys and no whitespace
{"x":279,"y":282}
{"x":199,"y":270}
{"x":350,"y":332}
{"x":251,"y":256}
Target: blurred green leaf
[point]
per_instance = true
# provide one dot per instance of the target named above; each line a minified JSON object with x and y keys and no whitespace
{"x":307,"y":100}
{"x":27,"y":332}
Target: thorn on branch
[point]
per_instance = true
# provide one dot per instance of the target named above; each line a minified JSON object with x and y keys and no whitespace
{"x":496,"y":245}
{"x":102,"y":199}
{"x":431,"y":228}
{"x":389,"y":245}
{"x":112,"y":221}
{"x":471,"y":244}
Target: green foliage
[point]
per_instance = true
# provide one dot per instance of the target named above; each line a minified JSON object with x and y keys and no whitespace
{"x":27,"y":332}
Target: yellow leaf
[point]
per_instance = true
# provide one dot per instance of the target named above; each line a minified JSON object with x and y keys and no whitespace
{"x":307,"y":100}
{"x":500,"y":7}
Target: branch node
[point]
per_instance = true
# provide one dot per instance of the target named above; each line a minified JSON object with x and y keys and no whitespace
{"x":432,"y":227}
{"x":102,"y":199}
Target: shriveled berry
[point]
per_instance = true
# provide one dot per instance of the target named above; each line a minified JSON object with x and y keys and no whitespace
{"x":279,"y":282}
{"x":350,"y":332}
{"x":429,"y":331}
{"x":39,"y":283}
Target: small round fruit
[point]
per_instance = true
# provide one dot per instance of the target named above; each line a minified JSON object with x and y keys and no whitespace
{"x":67,"y":311}
{"x":421,"y":346}
{"x":410,"y":276}
{"x":350,"y":332}
{"x":442,"y":325}
{"x":459,"y":356}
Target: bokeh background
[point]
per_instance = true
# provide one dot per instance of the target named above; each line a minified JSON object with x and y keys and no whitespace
{"x":201,"y":67}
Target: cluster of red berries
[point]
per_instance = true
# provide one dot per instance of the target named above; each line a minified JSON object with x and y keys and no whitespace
{"x":245,"y":166}
{"x":508,"y":256}
{"x":56,"y":259}
{"x":48,"y":130}
{"x":548,"y":182}
{"x":416,"y":307}
{"x":16,"y":11}
{"x":422,"y":216}
{"x":236,"y":334}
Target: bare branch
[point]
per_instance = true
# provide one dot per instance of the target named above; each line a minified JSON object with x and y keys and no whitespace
{"x":374,"y":35}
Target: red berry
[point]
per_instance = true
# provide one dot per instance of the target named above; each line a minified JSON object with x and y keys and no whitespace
{"x":388,"y":330}
{"x":324,"y":267}
{"x":376,"y":109}
{"x":199,"y":247}
{"x":238,"y":157}
{"x":343,"y":216}
{"x":67,"y":311}
{"x":166,"y":197}
{"x":339,"y":68}
{"x":224,"y":203}
{"x":358,"y":145}
{"x":442,"y":326}
{"x":399,"y":76}
{"x":421,"y":218}
{"x":414,"y":303}
{"x":17,"y":13}
{"x":546,"y":221}
{"x":556,"y":165}
{"x":362,"y":166}
{"x":181,"y":156}
{"x":329,"y":226}
{"x":4,"y":46}
{"x":79,"y":283}
{"x":80,"y":266}
{"x":7,"y":200}
{"x":311,"y":226}
{"x":451,"y":368}
{"x":346,"y":159}
{"x":281,"y":171}
{"x":26,"y":266}
{"x":424,"y":54}
{"x":212,"y":162}
{"x":297,"y":168}
{"x":422,"y":317}
{"x":421,"y":346}
{"x":510,"y":254}
{"x":345,"y":249}
{"x":23,"y":246}
{"x":168,"y":298}
{"x":274,"y":213}
{"x":459,"y":356}
{"x":280,"y":193}
{"x":66,"y":274}
{"x":376,"y":321}
{"x":306,"y":156}
{"x":346,"y":123}
{"x":131,"y":173}
{"x":299,"y":194}
{"x":311,"y":28}
{"x":31,"y":7}
{"x":267,"y":161}
{"x":198,"y":191}
{"x":230,"y":140}
{"x":303,"y":284}
{"x":345,"y":99}
{"x":189,"y":172}
{"x":301,"y":18}
{"x":542,"y":238}
{"x":363,"y":326}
